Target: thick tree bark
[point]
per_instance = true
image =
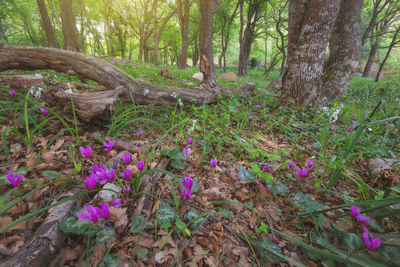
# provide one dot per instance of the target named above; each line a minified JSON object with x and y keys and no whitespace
{"x":183,"y":16}
{"x":89,"y":67}
{"x":392,"y":44}
{"x":68,"y":26}
{"x":310,"y":26}
{"x":47,"y":25}
{"x":344,"y":50}
{"x":247,"y":36}
{"x":371,"y":59}
{"x":207,"y":10}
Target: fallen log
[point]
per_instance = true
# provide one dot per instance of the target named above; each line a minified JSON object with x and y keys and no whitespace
{"x":383,"y":172}
{"x":90,"y":67}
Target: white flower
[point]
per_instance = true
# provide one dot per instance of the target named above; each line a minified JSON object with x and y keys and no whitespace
{"x":174,"y":95}
{"x":68,"y":91}
{"x":180,"y":102}
{"x":146,"y":92}
{"x":191,"y":129}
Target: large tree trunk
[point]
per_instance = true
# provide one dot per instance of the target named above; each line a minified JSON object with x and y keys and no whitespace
{"x":310,"y":26}
{"x":47,"y":26}
{"x":344,"y":50}
{"x":68,"y":26}
{"x":207,"y":10}
{"x":183,"y":17}
{"x":371,"y":59}
{"x":89,"y":67}
{"x":108,"y":32}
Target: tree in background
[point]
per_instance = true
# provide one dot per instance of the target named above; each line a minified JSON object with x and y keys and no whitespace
{"x":47,"y":25}
{"x":68,"y":26}
{"x":183,"y":10}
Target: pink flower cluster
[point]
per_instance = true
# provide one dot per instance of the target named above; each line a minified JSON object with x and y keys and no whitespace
{"x":94,"y":213}
{"x":372,"y":243}
{"x":303,"y":172}
{"x":187,"y":149}
{"x":187,"y":186}
{"x":86,"y":151}
{"x":100,"y":172}
{"x":14,"y":180}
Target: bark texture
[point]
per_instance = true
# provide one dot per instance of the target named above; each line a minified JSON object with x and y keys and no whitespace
{"x":371,"y":59}
{"x":89,"y":67}
{"x":47,"y":25}
{"x":344,"y":50}
{"x":310,"y":26}
{"x":68,"y":26}
{"x":183,"y":17}
{"x":395,"y":40}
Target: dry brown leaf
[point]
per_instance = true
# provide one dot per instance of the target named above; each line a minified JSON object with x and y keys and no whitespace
{"x":119,"y":217}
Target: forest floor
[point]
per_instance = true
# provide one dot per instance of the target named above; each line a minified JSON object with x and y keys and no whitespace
{"x":265,"y":202}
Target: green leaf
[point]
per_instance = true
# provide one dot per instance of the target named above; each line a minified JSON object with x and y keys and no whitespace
{"x":137,"y":223}
{"x":246,"y":175}
{"x":204,"y":145}
{"x":51,"y":174}
{"x":274,"y":157}
{"x":166,"y":225}
{"x":165,"y":214}
{"x":306,"y":203}
{"x":113,"y":261}
{"x":277,"y":188}
{"x":142,"y":254}
{"x":353,"y":242}
{"x":180,"y":224}
{"x":69,"y":225}
{"x":198,"y":221}
{"x":178,"y":164}
{"x":391,"y":254}
{"x":106,"y":234}
{"x":176,"y":154}
{"x":66,"y":224}
{"x":226,"y":214}
{"x":268,"y":245}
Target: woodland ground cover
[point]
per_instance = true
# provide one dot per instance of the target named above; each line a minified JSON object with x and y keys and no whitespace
{"x":245,"y":181}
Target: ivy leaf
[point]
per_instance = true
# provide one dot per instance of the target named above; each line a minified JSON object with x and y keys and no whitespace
{"x":306,"y":203}
{"x":137,"y":222}
{"x":106,"y":234}
{"x":277,"y":188}
{"x":51,"y":174}
{"x":178,"y":164}
{"x":69,"y":225}
{"x":268,"y":246}
{"x":191,"y":215}
{"x":142,"y":254}
{"x":180,"y":224}
{"x":165,"y":214}
{"x":226,"y":214}
{"x":246,"y":175}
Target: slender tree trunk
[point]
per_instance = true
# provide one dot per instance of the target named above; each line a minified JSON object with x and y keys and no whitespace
{"x":68,"y":25}
{"x":157,"y":36}
{"x":371,"y":59}
{"x":344,"y":50}
{"x":392,"y":44}
{"x":310,"y":26}
{"x":207,"y":10}
{"x":195,"y":55}
{"x":47,"y":26}
{"x":183,"y":17}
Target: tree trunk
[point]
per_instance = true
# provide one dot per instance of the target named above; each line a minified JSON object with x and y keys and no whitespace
{"x":392,"y":44}
{"x":183,"y":17}
{"x":344,"y":50}
{"x":371,"y":59}
{"x":89,"y":67}
{"x":207,"y":10}
{"x":310,"y":26}
{"x":68,"y":25}
{"x":195,"y":56}
{"x":108,"y":33}
{"x":157,"y":36}
{"x":47,"y":26}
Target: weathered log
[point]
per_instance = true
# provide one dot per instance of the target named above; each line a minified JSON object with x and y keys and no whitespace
{"x":45,"y":244}
{"x":25,"y":80}
{"x":89,"y":67}
{"x":383,"y":172}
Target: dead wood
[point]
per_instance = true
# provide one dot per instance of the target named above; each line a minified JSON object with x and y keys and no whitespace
{"x":25,"y":80}
{"x":45,"y":244}
{"x":89,"y":67}
{"x":383,"y":172}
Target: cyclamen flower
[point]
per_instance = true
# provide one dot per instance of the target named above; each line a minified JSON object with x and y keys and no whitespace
{"x":266,"y":168}
{"x":12,"y":92}
{"x":290,"y":164}
{"x":187,"y":151}
{"x":105,"y":211}
{"x":91,"y":215}
{"x":352,"y":114}
{"x":127,"y":174}
{"x":258,"y":106}
{"x":109,"y":145}
{"x":19,"y":80}
{"x":190,"y":140}
{"x":362,"y":219}
{"x":251,"y":118}
{"x":132,"y":123}
{"x":310,"y":164}
{"x":187,"y":182}
{"x":354,"y":124}
{"x":385,"y":123}
{"x":140,"y":165}
{"x":127,"y":189}
{"x":45,"y":112}
{"x":372,"y":244}
{"x":116,"y":202}
{"x":107,"y":175}
{"x":91,"y":181}
{"x":186,"y":193}
{"x":355,"y":211}
{"x":86,"y":152}
{"x":302,"y":173}
{"x":14,"y":181}
{"x":139,"y":133}
{"x":214,"y":162}
{"x":126,"y":158}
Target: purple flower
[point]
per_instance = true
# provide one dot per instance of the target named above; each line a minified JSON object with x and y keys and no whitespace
{"x":25,"y":86}
{"x":116,"y":202}
{"x":372,"y":244}
{"x":365,"y":116}
{"x":251,"y":118}
{"x":290,"y":164}
{"x":105,"y":211}
{"x":266,"y":168}
{"x":214,"y":162}
{"x":187,"y":151}
{"x":19,"y":80}
{"x":354,"y":124}
{"x":132,"y":123}
{"x":107,"y":175}
{"x":362,"y":219}
{"x":302,"y":173}
{"x":385,"y":123}
{"x":187,"y":182}
{"x":109,"y":145}
{"x":45,"y":112}
{"x":127,"y":174}
{"x":310,"y":164}
{"x":190,"y":140}
{"x":91,"y":181}
{"x":139,"y":133}
{"x":359,"y":142}
{"x":237,"y":106}
{"x":12,"y":92}
{"x":186,"y":193}
{"x":126,"y":158}
{"x":86,"y":152}
{"x":258,"y":106}
{"x":14,"y":181}
{"x":352,"y":114}
{"x":91,"y":214}
{"x":140,"y":165}
{"x":355,"y":211}
{"x":350,"y":129}
{"x":127,"y":189}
